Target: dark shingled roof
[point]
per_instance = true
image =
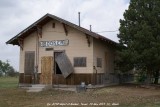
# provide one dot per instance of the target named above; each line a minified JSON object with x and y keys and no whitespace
{"x":49,"y":17}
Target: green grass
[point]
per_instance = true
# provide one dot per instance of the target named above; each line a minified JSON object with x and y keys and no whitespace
{"x":8,"y":82}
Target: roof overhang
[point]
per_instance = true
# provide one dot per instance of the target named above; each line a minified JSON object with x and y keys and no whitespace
{"x":46,"y":18}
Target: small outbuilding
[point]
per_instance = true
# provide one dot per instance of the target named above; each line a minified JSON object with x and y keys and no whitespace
{"x":55,"y":51}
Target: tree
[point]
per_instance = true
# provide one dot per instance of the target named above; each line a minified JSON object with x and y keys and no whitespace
{"x":140,"y":37}
{"x":11,"y":72}
{"x":1,"y":71}
{"x":6,"y":69}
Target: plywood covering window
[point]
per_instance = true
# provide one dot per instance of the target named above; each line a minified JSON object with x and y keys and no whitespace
{"x":80,"y":61}
{"x":64,"y":64}
{"x":99,"y":62}
{"x":29,"y":62}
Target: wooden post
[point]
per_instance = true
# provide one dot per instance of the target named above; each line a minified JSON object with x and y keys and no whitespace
{"x":65,"y":29}
{"x":88,"y":40}
{"x":20,"y":41}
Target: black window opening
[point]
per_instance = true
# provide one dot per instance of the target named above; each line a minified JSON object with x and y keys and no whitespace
{"x":57,"y":69}
{"x":99,"y":62}
{"x":80,"y":62}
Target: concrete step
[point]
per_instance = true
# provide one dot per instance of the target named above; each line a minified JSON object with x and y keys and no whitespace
{"x":24,"y":85}
{"x":39,"y":87}
{"x":34,"y":90}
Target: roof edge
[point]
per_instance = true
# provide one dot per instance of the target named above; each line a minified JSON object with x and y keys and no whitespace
{"x":86,"y":31}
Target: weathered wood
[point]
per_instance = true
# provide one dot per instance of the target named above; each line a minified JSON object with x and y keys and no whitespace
{"x":80,"y":62}
{"x":65,"y":29}
{"x":88,"y":40}
{"x":46,"y":70}
{"x":39,"y":31}
{"x":99,"y":62}
{"x":21,"y":77}
{"x":29,"y":63}
{"x":27,"y":78}
{"x":20,"y":41}
{"x":74,"y":79}
{"x":64,"y":64}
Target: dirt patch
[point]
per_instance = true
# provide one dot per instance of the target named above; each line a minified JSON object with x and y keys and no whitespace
{"x":122,"y":95}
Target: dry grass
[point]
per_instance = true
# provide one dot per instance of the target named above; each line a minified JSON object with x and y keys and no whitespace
{"x":125,"y":96}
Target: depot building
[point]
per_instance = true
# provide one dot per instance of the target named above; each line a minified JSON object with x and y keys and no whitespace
{"x":55,"y":51}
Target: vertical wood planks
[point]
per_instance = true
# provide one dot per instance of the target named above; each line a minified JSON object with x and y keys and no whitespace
{"x":64,"y":64}
{"x":29,"y":62}
{"x":46,"y":70}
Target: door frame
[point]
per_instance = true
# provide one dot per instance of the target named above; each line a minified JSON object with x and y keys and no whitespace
{"x":56,"y":76}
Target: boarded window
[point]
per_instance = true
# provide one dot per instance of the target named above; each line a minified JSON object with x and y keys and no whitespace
{"x":64,"y":64}
{"x":99,"y":62}
{"x":29,"y":63}
{"x":80,"y":62}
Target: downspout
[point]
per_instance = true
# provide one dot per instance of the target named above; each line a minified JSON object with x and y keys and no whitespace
{"x":95,"y":75}
{"x":37,"y":58}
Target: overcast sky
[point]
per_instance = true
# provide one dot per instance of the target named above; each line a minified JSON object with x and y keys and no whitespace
{"x":16,"y":15}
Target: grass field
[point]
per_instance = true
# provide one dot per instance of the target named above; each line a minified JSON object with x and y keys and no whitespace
{"x":8,"y":82}
{"x":125,"y":96}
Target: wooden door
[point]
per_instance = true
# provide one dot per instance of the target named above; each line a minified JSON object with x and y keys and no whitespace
{"x":46,"y":70}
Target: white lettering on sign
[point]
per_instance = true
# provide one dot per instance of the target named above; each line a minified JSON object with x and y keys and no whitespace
{"x":54,"y":43}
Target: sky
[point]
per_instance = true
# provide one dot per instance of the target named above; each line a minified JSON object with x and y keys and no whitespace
{"x":16,"y":15}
